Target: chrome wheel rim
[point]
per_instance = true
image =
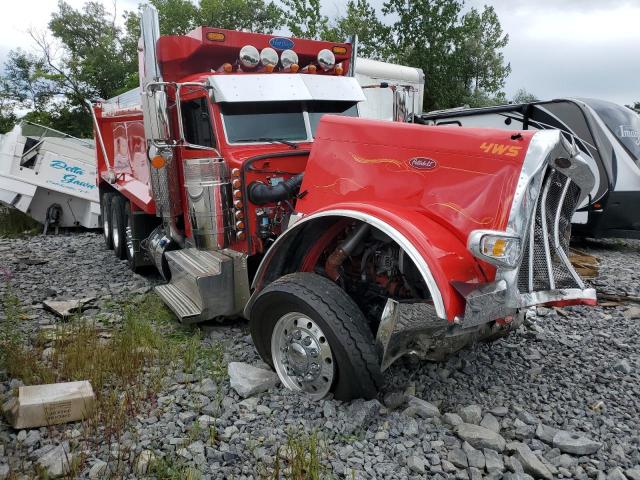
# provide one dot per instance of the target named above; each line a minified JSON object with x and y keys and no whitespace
{"x":302,"y":356}
{"x":129,"y":239}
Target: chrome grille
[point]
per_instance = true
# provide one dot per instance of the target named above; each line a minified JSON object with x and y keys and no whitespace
{"x":545,"y":263}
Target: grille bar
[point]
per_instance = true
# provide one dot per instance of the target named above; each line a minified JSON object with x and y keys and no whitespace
{"x":545,"y":264}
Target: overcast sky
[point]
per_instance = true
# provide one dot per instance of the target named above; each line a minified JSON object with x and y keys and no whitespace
{"x":557,"y":47}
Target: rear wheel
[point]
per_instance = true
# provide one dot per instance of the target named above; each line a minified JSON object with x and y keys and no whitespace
{"x":118,"y":227}
{"x":105,"y":216}
{"x":130,"y":248}
{"x":316,"y":338}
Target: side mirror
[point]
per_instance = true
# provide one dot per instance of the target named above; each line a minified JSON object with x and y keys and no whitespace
{"x":156,"y":115}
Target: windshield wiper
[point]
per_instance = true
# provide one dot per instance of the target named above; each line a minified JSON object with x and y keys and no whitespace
{"x":270,"y":140}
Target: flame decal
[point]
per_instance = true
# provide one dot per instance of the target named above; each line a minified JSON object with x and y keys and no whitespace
{"x":457,"y":208}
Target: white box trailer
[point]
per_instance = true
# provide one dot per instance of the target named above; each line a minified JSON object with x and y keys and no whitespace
{"x":49,"y":175}
{"x":385,"y":103}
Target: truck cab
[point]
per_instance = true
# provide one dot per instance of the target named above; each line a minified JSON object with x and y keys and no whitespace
{"x":241,"y":170}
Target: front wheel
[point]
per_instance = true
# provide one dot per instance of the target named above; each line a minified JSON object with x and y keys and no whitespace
{"x":316,"y":338}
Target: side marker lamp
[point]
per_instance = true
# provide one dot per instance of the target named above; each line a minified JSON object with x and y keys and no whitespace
{"x":158,"y":162}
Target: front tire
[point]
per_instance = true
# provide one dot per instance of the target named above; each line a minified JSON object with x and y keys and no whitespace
{"x":316,"y":338}
{"x":118,"y":227}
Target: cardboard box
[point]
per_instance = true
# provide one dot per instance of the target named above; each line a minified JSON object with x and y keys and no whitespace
{"x":43,"y":405}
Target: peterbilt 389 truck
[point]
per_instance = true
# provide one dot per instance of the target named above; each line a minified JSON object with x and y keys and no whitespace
{"x":241,"y":171}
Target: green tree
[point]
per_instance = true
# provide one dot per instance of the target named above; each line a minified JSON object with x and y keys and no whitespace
{"x":95,"y":61}
{"x":459,"y":53}
{"x":7,"y":107}
{"x":483,"y":66}
{"x":523,"y":96}
{"x":305,"y":20}
{"x":27,"y":80}
{"x":427,"y":34}
{"x":362,"y":20}
{"x":249,"y":15}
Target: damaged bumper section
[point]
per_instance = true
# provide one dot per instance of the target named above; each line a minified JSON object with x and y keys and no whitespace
{"x":531,"y":257}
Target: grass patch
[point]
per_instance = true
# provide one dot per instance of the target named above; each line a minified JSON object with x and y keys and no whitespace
{"x":304,"y":457}
{"x":14,"y":223}
{"x":171,"y":468}
{"x":125,"y":364}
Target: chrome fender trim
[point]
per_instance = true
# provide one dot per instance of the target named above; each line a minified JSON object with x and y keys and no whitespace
{"x":387,"y":229}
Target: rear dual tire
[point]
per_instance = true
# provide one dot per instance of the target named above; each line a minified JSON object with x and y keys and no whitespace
{"x":105,"y":216}
{"x":118,"y":227}
{"x":316,"y":338}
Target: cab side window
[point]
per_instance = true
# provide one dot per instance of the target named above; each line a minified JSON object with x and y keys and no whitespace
{"x":196,"y":121}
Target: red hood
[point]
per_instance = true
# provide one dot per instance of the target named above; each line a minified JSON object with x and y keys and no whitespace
{"x":463,"y":178}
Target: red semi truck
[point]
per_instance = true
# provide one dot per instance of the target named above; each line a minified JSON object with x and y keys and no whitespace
{"x":240,"y":169}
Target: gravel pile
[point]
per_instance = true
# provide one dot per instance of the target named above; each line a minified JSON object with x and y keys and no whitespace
{"x":559,"y":398}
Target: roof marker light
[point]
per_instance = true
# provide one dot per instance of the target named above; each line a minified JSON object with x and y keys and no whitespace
{"x":215,"y":36}
{"x":249,"y":56}
{"x":326,"y":59}
{"x":339,"y":69}
{"x":339,"y":50}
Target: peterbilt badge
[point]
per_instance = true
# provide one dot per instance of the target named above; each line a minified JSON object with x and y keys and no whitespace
{"x":423,"y":163}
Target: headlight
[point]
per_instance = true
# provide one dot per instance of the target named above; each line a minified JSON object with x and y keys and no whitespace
{"x":268,"y":56}
{"x":288,"y":58}
{"x":326,"y":59}
{"x":498,"y":248}
{"x":249,"y":56}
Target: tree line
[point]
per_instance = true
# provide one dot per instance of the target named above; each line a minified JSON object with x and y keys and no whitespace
{"x":91,"y":52}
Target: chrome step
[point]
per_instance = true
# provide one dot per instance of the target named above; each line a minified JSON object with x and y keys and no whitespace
{"x":177,"y":301}
{"x":205,"y":279}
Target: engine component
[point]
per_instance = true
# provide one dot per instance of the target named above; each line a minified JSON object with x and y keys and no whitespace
{"x":260,"y":194}
{"x":347,"y":247}
{"x":264,"y":225}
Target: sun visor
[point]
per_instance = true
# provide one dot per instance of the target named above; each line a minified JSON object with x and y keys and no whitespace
{"x":282,"y":87}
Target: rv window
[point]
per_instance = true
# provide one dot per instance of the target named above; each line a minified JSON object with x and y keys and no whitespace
{"x":197,"y":123}
{"x":623,"y":122}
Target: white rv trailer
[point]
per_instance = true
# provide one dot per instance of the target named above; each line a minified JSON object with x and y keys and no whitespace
{"x":49,"y":175}
{"x":609,"y":134}
{"x":399,"y":98}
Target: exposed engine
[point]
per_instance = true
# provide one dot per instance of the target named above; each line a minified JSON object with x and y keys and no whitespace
{"x":373,"y":270}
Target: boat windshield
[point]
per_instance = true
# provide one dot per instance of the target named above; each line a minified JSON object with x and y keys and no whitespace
{"x":623,"y":122}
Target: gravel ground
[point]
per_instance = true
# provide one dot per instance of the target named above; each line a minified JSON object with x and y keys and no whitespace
{"x":559,"y":398}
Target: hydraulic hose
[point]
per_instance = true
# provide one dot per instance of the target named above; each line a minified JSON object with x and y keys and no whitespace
{"x":260,"y":194}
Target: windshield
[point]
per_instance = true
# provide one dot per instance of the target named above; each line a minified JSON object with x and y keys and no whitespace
{"x":623,"y":122}
{"x":251,"y":122}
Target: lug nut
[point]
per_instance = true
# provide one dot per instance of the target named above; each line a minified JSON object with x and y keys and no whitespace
{"x":314,"y":367}
{"x":297,"y":334}
{"x":309,"y":377}
{"x":307,"y":341}
{"x":313,"y":352}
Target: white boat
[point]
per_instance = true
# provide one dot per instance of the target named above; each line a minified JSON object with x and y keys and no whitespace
{"x":50,"y":176}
